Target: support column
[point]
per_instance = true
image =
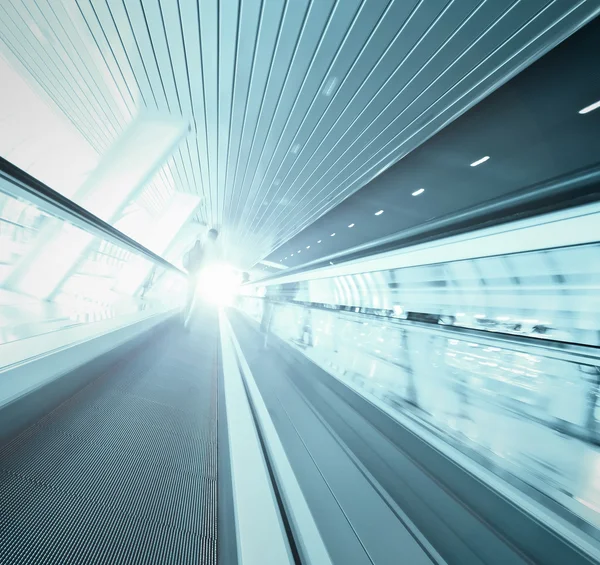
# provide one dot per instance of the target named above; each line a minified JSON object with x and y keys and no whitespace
{"x":179,"y":211}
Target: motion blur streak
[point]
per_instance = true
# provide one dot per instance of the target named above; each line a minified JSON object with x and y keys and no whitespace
{"x":496,"y":352}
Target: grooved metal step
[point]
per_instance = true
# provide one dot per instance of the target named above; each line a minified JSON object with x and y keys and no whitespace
{"x":126,"y":470}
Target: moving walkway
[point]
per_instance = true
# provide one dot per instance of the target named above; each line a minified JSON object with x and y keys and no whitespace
{"x":127,"y":440}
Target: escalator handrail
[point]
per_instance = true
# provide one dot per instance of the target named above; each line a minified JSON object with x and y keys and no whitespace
{"x":16,"y":182}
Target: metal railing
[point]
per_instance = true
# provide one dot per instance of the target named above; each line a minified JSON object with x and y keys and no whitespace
{"x":19,"y":184}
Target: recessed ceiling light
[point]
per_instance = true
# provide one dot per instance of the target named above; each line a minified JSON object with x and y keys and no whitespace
{"x":379,"y":213}
{"x":319,"y":241}
{"x":590,"y":108}
{"x":479,"y":161}
{"x":308,"y":247}
{"x":299,"y":250}
{"x":332,"y":234}
{"x":292,"y":255}
{"x":285,"y":258}
{"x":351,"y":226}
{"x":417,"y":192}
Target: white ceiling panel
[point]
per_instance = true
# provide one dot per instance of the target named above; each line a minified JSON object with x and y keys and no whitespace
{"x":293,"y":105}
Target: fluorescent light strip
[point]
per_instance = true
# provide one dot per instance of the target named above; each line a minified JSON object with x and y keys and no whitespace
{"x":590,"y":108}
{"x":480,"y":161}
{"x":417,"y":192}
{"x":379,"y":213}
{"x":351,"y":226}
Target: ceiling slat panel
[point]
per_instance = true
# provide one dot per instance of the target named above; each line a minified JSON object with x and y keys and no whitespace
{"x":293,"y":104}
{"x":160,"y":49}
{"x":133,"y":28}
{"x":22,"y":44}
{"x":91,"y":61}
{"x":493,"y":69}
{"x":318,"y":85}
{"x":246,"y":49}
{"x":114,"y":20}
{"x":184,"y":173}
{"x":193,"y":57}
{"x":362,"y":75}
{"x":288,"y":152}
{"x":85,"y":21}
{"x":54,"y":44}
{"x":413,"y":101}
{"x":228,"y":38}
{"x":392,"y":70}
{"x":148,"y":51}
{"x":404,"y":124}
{"x":300,"y":34}
{"x":209,"y":41}
{"x":12,"y":46}
{"x":269,"y":31}
{"x":166,"y":33}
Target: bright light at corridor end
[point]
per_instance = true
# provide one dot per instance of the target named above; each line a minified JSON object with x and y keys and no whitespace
{"x":218,"y":284}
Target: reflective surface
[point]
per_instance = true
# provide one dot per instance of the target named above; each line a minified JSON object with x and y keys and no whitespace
{"x":489,"y":338}
{"x":539,"y":277}
{"x":20,"y":225}
{"x":103,"y":280}
{"x":518,"y":408}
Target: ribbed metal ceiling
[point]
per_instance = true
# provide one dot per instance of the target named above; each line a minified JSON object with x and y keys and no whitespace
{"x":293,"y":105}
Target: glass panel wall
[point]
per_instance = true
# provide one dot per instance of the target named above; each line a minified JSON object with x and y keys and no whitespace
{"x":93,"y":288}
